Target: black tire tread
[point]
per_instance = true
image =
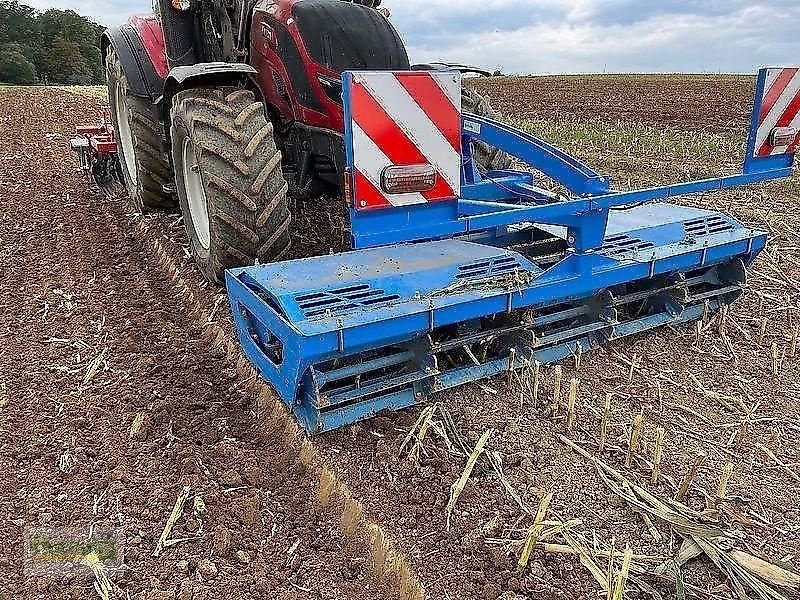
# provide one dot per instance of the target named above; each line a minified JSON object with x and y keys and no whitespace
{"x":242,"y":175}
{"x":153,"y":169}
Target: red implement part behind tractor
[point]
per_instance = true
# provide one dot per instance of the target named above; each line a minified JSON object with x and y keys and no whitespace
{"x":221,"y":107}
{"x":96,"y":146}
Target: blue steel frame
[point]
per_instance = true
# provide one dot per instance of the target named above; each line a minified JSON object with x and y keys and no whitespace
{"x":506,"y":198}
{"x":417,"y":285}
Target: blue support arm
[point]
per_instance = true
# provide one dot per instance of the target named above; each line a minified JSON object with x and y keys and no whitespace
{"x":577,"y":177}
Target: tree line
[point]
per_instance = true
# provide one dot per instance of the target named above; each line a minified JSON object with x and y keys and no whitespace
{"x":51,"y":47}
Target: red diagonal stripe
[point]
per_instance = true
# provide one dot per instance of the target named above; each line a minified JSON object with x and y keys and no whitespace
{"x":377,"y":124}
{"x":434,"y":102}
{"x":765,"y":150}
{"x":364,"y":190}
{"x":785,"y":120}
{"x":791,"y":112}
{"x":392,"y":140}
{"x":775,"y":91}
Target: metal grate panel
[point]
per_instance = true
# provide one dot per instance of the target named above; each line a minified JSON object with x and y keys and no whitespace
{"x":488,"y":268}
{"x":706,"y":226}
{"x":623,"y":243}
{"x":344,"y":298}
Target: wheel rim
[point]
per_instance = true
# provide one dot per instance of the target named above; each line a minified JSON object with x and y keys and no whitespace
{"x":195,"y":195}
{"x":125,"y":134}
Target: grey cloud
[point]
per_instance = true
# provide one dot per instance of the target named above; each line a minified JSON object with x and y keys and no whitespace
{"x":526,"y":36}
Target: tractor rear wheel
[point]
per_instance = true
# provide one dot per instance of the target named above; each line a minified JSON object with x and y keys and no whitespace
{"x":144,"y":166}
{"x":486,"y":157}
{"x":229,"y":180}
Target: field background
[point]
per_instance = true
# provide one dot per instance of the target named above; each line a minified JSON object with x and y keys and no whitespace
{"x":122,"y":387}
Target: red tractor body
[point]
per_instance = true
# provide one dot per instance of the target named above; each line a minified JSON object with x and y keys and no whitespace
{"x":220,"y":107}
{"x":275,"y":37}
{"x":148,"y":28}
{"x":299,"y":49}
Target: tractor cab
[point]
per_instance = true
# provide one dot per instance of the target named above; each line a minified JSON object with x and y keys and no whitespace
{"x":300,"y":49}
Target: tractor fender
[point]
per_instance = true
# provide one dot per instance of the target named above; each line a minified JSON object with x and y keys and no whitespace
{"x":137,"y":45}
{"x":204,"y":75}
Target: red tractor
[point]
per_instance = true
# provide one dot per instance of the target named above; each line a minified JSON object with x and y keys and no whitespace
{"x":219,"y":106}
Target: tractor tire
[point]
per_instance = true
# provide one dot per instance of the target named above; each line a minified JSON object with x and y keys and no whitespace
{"x":145,"y":168}
{"x":229,"y":180}
{"x":486,"y":157}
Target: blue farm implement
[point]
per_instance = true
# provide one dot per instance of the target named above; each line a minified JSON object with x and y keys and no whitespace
{"x":458,"y":275}
{"x":488,"y":274}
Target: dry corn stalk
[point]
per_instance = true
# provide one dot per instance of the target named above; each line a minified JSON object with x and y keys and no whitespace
{"x":587,"y":560}
{"x":762,"y":331}
{"x":702,"y":537}
{"x":94,"y":366}
{"x":102,"y":585}
{"x":556,"y":388}
{"x":177,"y":511}
{"x":724,"y":478}
{"x":766,"y":570}
{"x":633,"y":441}
{"x":537,"y":371}
{"x":534,"y":532}
{"x":458,"y":486}
{"x":683,"y":489}
{"x":573,"y":395}
{"x":565,"y":549}
{"x":723,"y":319}
{"x":622,"y":576}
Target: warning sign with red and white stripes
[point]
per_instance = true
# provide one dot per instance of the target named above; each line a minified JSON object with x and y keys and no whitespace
{"x":402,"y":119}
{"x":778,"y":113}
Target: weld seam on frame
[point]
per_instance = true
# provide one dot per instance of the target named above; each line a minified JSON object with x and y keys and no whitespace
{"x":388,"y":564}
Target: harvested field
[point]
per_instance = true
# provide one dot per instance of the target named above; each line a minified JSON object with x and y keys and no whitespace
{"x":122,"y":386}
{"x":691,"y":102}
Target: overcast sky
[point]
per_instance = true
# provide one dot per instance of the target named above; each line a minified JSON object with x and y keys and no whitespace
{"x":555,"y":36}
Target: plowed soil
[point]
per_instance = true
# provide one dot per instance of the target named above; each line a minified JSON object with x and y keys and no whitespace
{"x":692,"y":102}
{"x":114,"y":445}
{"x":78,"y":285}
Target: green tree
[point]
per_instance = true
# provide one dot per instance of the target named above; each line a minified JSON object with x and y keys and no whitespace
{"x":72,"y":27}
{"x":16,"y":69}
{"x":63,"y":46}
{"x":20,"y":24}
{"x":66,"y":64}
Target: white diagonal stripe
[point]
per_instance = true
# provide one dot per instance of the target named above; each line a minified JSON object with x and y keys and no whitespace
{"x":781,"y":104}
{"x":451,"y":86}
{"x":417,"y":125}
{"x":772,"y":75}
{"x":371,"y":161}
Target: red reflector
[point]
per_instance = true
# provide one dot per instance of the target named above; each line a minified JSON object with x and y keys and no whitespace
{"x":783,"y":136}
{"x":402,"y":179}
